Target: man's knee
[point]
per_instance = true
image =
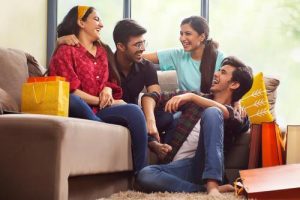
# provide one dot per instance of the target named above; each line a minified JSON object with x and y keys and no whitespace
{"x":212,"y":113}
{"x":132,"y":108}
{"x":144,"y":177}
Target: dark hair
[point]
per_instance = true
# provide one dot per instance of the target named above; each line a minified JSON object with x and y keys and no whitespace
{"x":69,"y":26}
{"x":242,"y":74}
{"x":126,"y":28}
{"x":209,"y":56}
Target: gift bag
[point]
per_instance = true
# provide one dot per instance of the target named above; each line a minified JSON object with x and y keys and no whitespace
{"x":278,"y":182}
{"x":293,"y":144}
{"x":273,"y":145}
{"x":255,"y":146}
{"x":45,"y":79}
{"x":50,"y":95}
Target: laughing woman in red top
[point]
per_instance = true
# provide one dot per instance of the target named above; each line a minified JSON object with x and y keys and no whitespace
{"x":95,"y":93}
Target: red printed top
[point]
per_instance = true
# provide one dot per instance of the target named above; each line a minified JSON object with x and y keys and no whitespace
{"x":83,"y":70}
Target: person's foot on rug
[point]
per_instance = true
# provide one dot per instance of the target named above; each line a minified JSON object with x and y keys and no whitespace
{"x":214,"y":189}
{"x":226,"y":188}
{"x":161,"y":150}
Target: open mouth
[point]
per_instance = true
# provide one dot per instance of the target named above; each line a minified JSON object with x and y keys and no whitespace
{"x":215,"y":81}
{"x":185,"y":44}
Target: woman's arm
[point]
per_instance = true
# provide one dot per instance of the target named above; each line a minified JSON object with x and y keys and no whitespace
{"x":89,"y":99}
{"x":151,"y":57}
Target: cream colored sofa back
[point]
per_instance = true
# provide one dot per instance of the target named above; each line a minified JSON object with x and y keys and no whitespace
{"x":167,"y":80}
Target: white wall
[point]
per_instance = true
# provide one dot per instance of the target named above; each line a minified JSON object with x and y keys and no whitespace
{"x":23,"y":25}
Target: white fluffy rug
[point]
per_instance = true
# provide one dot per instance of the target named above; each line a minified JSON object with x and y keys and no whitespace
{"x":132,"y":195}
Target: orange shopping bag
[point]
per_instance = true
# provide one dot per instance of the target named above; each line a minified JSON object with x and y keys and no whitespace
{"x":45,"y":79}
{"x":272,"y":145}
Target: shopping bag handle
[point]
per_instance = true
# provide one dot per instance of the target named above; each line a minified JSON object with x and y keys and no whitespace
{"x":44,"y":94}
{"x":282,"y":139}
{"x":238,"y":186}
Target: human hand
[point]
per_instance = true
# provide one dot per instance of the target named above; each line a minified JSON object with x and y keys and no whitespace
{"x":70,"y":40}
{"x":240,"y":109}
{"x":105,"y":97}
{"x":175,"y":102}
{"x":152,"y":129}
{"x":118,"y":102}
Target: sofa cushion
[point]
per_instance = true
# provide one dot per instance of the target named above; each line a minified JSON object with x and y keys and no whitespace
{"x":34,"y":68}
{"x":271,"y":86}
{"x":167,"y":80}
{"x":255,"y":102}
{"x":79,"y":146}
{"x":7,"y":103}
{"x":13,"y":72}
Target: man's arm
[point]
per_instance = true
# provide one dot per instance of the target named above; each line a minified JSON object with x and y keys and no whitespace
{"x":177,"y":101}
{"x":70,"y":40}
{"x":148,"y":105}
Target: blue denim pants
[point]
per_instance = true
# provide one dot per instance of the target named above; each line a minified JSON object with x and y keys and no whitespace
{"x":128,"y":115}
{"x":189,"y":175}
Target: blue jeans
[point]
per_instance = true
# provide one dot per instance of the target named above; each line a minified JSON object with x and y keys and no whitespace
{"x":165,"y":122}
{"x":189,"y":175}
{"x":128,"y":115}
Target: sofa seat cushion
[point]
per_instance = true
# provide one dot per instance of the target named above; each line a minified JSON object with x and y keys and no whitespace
{"x":73,"y":146}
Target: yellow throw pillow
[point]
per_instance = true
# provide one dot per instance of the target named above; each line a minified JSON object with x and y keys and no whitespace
{"x":255,"y":102}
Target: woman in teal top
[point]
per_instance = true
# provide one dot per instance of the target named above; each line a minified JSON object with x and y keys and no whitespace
{"x":197,"y":61}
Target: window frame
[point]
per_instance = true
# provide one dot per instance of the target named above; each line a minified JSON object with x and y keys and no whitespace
{"x":52,"y":20}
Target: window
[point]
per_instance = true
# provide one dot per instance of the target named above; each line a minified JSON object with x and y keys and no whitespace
{"x":264,"y":35}
{"x":110,"y":12}
{"x":162,"y":20}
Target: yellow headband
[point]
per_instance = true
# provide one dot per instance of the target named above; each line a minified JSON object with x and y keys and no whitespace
{"x":81,"y":11}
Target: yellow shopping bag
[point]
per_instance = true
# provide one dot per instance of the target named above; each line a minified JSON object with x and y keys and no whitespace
{"x":50,"y":97}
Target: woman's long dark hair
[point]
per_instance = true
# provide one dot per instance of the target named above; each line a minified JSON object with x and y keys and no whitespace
{"x":209,"y":56}
{"x":69,"y":26}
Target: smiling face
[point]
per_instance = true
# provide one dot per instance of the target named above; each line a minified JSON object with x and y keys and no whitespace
{"x":91,"y":26}
{"x":189,"y":38}
{"x":222,"y":81}
{"x":135,"y":48}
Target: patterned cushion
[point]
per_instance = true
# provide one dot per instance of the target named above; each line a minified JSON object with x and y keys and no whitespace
{"x":256,"y":102}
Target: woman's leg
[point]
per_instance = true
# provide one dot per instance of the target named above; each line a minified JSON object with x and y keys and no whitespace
{"x":176,"y":176}
{"x":131,"y":116}
{"x":80,"y":109}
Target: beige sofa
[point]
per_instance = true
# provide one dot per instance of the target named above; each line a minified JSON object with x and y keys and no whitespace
{"x":49,"y":157}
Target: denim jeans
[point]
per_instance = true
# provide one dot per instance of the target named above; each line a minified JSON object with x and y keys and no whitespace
{"x":165,"y":123}
{"x":189,"y":175}
{"x":128,"y":115}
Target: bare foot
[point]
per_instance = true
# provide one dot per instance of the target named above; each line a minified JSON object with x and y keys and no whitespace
{"x":214,"y":189}
{"x":226,"y":188}
{"x":161,"y":150}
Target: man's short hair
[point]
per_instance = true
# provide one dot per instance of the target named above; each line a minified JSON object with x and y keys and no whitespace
{"x":242,"y":74}
{"x":125,"y":29}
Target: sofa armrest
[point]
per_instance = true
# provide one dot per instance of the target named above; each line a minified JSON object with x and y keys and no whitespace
{"x":38,"y":153}
{"x":238,"y":155}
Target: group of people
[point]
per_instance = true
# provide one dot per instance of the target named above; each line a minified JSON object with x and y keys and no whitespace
{"x":105,"y":86}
